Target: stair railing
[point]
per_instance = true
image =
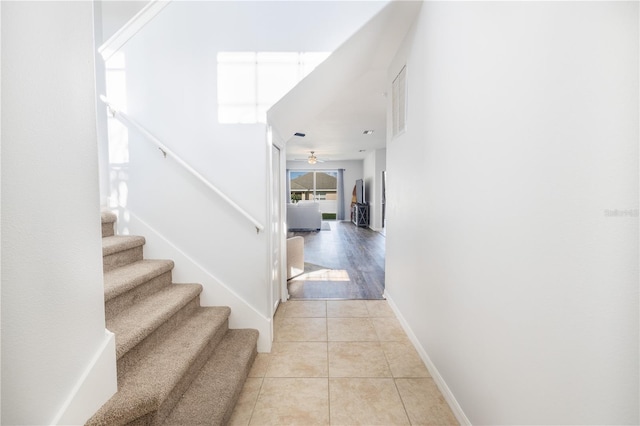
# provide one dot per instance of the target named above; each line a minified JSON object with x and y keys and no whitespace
{"x":130,"y":122}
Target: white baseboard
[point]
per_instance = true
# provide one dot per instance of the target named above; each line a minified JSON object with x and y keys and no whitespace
{"x":215,"y":292}
{"x":437,"y":378}
{"x":96,"y":385}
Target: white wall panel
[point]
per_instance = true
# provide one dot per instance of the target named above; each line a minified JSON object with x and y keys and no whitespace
{"x":505,"y":254}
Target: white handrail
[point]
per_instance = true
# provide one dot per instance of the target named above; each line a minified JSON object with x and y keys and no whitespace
{"x":123,"y":117}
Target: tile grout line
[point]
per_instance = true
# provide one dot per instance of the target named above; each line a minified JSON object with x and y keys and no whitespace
{"x":326,"y":321}
{"x":269,"y":359}
{"x":387,"y":357}
{"x":406,"y":412}
{"x":255,"y":402}
{"x":393,"y":378}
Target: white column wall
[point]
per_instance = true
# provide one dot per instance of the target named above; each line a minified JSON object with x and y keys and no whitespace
{"x":374,"y":165}
{"x":512,"y":239}
{"x":101,"y":116}
{"x":58,"y":363}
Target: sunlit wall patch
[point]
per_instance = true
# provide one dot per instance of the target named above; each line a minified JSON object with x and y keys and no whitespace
{"x":249,"y":83}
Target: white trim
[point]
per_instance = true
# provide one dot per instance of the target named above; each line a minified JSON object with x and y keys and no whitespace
{"x":437,"y":378}
{"x":278,"y":142}
{"x":215,"y":292}
{"x":128,"y":121}
{"x":399,"y":103}
{"x":131,"y":28}
{"x":96,"y":385}
{"x":271,"y":238}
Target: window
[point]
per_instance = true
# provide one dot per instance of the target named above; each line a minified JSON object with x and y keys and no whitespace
{"x":320,"y":186}
{"x":116,"y":91}
{"x":249,"y":83}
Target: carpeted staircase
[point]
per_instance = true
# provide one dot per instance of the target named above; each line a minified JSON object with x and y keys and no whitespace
{"x":178,"y":362}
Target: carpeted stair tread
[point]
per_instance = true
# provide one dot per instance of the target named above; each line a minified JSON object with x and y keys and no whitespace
{"x":213,"y":394}
{"x":118,"y":243}
{"x":134,"y":324}
{"x":149,"y":383}
{"x":107,"y":216}
{"x":120,"y":280}
{"x":107,"y":219}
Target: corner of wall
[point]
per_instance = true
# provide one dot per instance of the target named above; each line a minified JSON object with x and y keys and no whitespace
{"x":437,"y":378}
{"x":214,"y":293}
{"x":96,"y":385}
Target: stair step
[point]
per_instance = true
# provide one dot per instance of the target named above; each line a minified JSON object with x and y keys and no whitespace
{"x":128,"y":284}
{"x":108,"y":219}
{"x":213,"y":394}
{"x":150,"y":390}
{"x":122,"y":250}
{"x":136,"y":323}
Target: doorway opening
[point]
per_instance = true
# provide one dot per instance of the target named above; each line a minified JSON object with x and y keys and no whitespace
{"x":342,"y":259}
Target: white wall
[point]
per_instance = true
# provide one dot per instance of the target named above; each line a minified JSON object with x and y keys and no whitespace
{"x":101,"y":117}
{"x":374,"y":164}
{"x":504,"y":255}
{"x":353,"y":170}
{"x":117,"y":13}
{"x":171,"y":84}
{"x":54,"y":342}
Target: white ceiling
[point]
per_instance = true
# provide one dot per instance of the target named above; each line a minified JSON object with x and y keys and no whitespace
{"x":345,"y":95}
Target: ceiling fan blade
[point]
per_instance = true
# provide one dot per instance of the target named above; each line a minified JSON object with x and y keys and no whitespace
{"x":306,"y":160}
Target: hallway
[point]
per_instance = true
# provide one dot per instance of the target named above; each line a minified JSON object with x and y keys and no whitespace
{"x":344,"y":262}
{"x":340,"y":363}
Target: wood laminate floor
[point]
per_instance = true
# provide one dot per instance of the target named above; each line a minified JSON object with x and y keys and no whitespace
{"x":346,"y":262}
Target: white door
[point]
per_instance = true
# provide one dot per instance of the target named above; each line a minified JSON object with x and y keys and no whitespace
{"x":276,"y":237}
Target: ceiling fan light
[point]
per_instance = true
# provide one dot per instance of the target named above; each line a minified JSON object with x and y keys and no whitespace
{"x":312,"y":159}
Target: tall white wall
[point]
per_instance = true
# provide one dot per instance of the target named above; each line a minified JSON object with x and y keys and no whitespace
{"x":117,"y":13}
{"x":58,"y":363}
{"x":101,"y":118}
{"x":512,"y":236}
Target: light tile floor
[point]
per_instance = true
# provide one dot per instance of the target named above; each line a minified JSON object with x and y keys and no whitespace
{"x":340,"y":363}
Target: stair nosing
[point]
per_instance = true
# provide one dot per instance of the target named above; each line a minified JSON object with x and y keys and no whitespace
{"x":213,"y":367}
{"x":178,"y":296}
{"x":117,"y":243}
{"x":165,"y":340}
{"x":137,"y":273}
{"x":150,"y":397}
{"x":107,"y":216}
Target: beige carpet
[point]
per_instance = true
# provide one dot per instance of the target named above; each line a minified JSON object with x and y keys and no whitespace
{"x":178,"y":362}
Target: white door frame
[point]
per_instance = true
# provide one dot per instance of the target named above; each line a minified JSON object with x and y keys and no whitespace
{"x":277,"y":230}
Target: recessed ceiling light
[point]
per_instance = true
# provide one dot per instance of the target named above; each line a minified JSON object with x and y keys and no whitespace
{"x":302,"y":135}
{"x":367,"y":132}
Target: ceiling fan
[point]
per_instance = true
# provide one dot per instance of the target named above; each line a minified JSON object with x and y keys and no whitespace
{"x":311,"y":159}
